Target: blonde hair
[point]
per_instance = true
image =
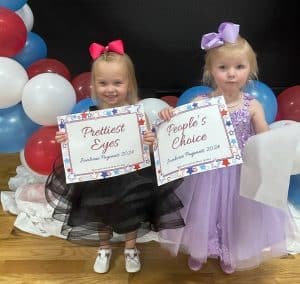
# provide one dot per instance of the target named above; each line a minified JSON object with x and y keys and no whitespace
{"x":124,"y":59}
{"x":240,"y":46}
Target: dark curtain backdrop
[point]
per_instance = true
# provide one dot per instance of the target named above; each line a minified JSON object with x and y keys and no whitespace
{"x":163,"y":36}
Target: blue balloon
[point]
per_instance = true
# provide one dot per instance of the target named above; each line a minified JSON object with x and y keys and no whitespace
{"x":265,"y":96}
{"x":35,"y":49}
{"x":13,"y":4}
{"x":15,"y":129}
{"x":188,"y":95}
{"x":294,"y":190}
{"x":83,"y":105}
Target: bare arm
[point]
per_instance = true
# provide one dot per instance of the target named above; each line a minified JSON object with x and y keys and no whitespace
{"x":166,"y":113}
{"x":61,"y":137}
{"x":258,"y":117}
{"x":149,"y":136}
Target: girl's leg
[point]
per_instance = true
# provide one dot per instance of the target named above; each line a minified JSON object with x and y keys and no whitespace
{"x":194,"y":263}
{"x":104,"y":253}
{"x":105,"y":237}
{"x":227,"y":268}
{"x":132,"y":259}
{"x":130,"y":240}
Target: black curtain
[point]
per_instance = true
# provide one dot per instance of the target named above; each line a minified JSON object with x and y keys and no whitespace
{"x":163,"y":37}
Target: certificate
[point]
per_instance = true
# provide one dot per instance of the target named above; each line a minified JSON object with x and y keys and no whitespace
{"x":199,"y":137}
{"x":104,"y":143}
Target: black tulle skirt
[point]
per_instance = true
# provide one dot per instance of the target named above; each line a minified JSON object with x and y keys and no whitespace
{"x":130,"y":205}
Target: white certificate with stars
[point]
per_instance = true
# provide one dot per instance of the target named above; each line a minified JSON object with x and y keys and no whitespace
{"x":199,"y":137}
{"x":104,"y":143}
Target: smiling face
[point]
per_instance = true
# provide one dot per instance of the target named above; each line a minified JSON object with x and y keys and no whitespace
{"x":110,"y":84}
{"x":230,"y":72}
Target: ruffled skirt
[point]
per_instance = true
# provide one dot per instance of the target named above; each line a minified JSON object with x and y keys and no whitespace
{"x":221,"y":224}
{"x":130,"y":205}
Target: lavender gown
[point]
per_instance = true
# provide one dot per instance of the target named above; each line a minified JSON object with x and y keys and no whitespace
{"x":221,"y":224}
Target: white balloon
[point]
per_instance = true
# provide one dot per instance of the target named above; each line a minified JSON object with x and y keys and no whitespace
{"x":296,"y":166}
{"x":152,"y":107}
{"x":46,"y":96}
{"x":282,"y":123}
{"x":13,"y":78}
{"x":27,"y":16}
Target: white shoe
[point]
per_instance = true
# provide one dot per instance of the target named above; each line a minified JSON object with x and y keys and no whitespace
{"x":102,"y":260}
{"x":132,"y":260}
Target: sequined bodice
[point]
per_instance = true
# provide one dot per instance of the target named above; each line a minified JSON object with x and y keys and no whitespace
{"x":242,"y":121}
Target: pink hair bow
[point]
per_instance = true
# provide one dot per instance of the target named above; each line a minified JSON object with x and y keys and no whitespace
{"x":97,"y":49}
{"x":227,"y":32}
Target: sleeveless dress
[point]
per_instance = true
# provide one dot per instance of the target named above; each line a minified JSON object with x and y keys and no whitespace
{"x":93,"y":210}
{"x":222,"y":224}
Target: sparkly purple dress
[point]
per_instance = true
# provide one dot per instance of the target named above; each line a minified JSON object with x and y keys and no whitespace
{"x":219,"y":222}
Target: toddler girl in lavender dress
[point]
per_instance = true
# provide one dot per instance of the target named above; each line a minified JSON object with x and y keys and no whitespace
{"x":219,"y":222}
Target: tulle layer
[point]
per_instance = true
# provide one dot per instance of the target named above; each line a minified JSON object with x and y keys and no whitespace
{"x":129,"y":205}
{"x":221,"y":224}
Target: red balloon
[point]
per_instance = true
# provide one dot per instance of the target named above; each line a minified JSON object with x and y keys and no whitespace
{"x":13,"y":33}
{"x":170,"y":100}
{"x":41,"y":150}
{"x":289,"y":103}
{"x":82,"y":85}
{"x":48,"y":65}
{"x":278,"y":117}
